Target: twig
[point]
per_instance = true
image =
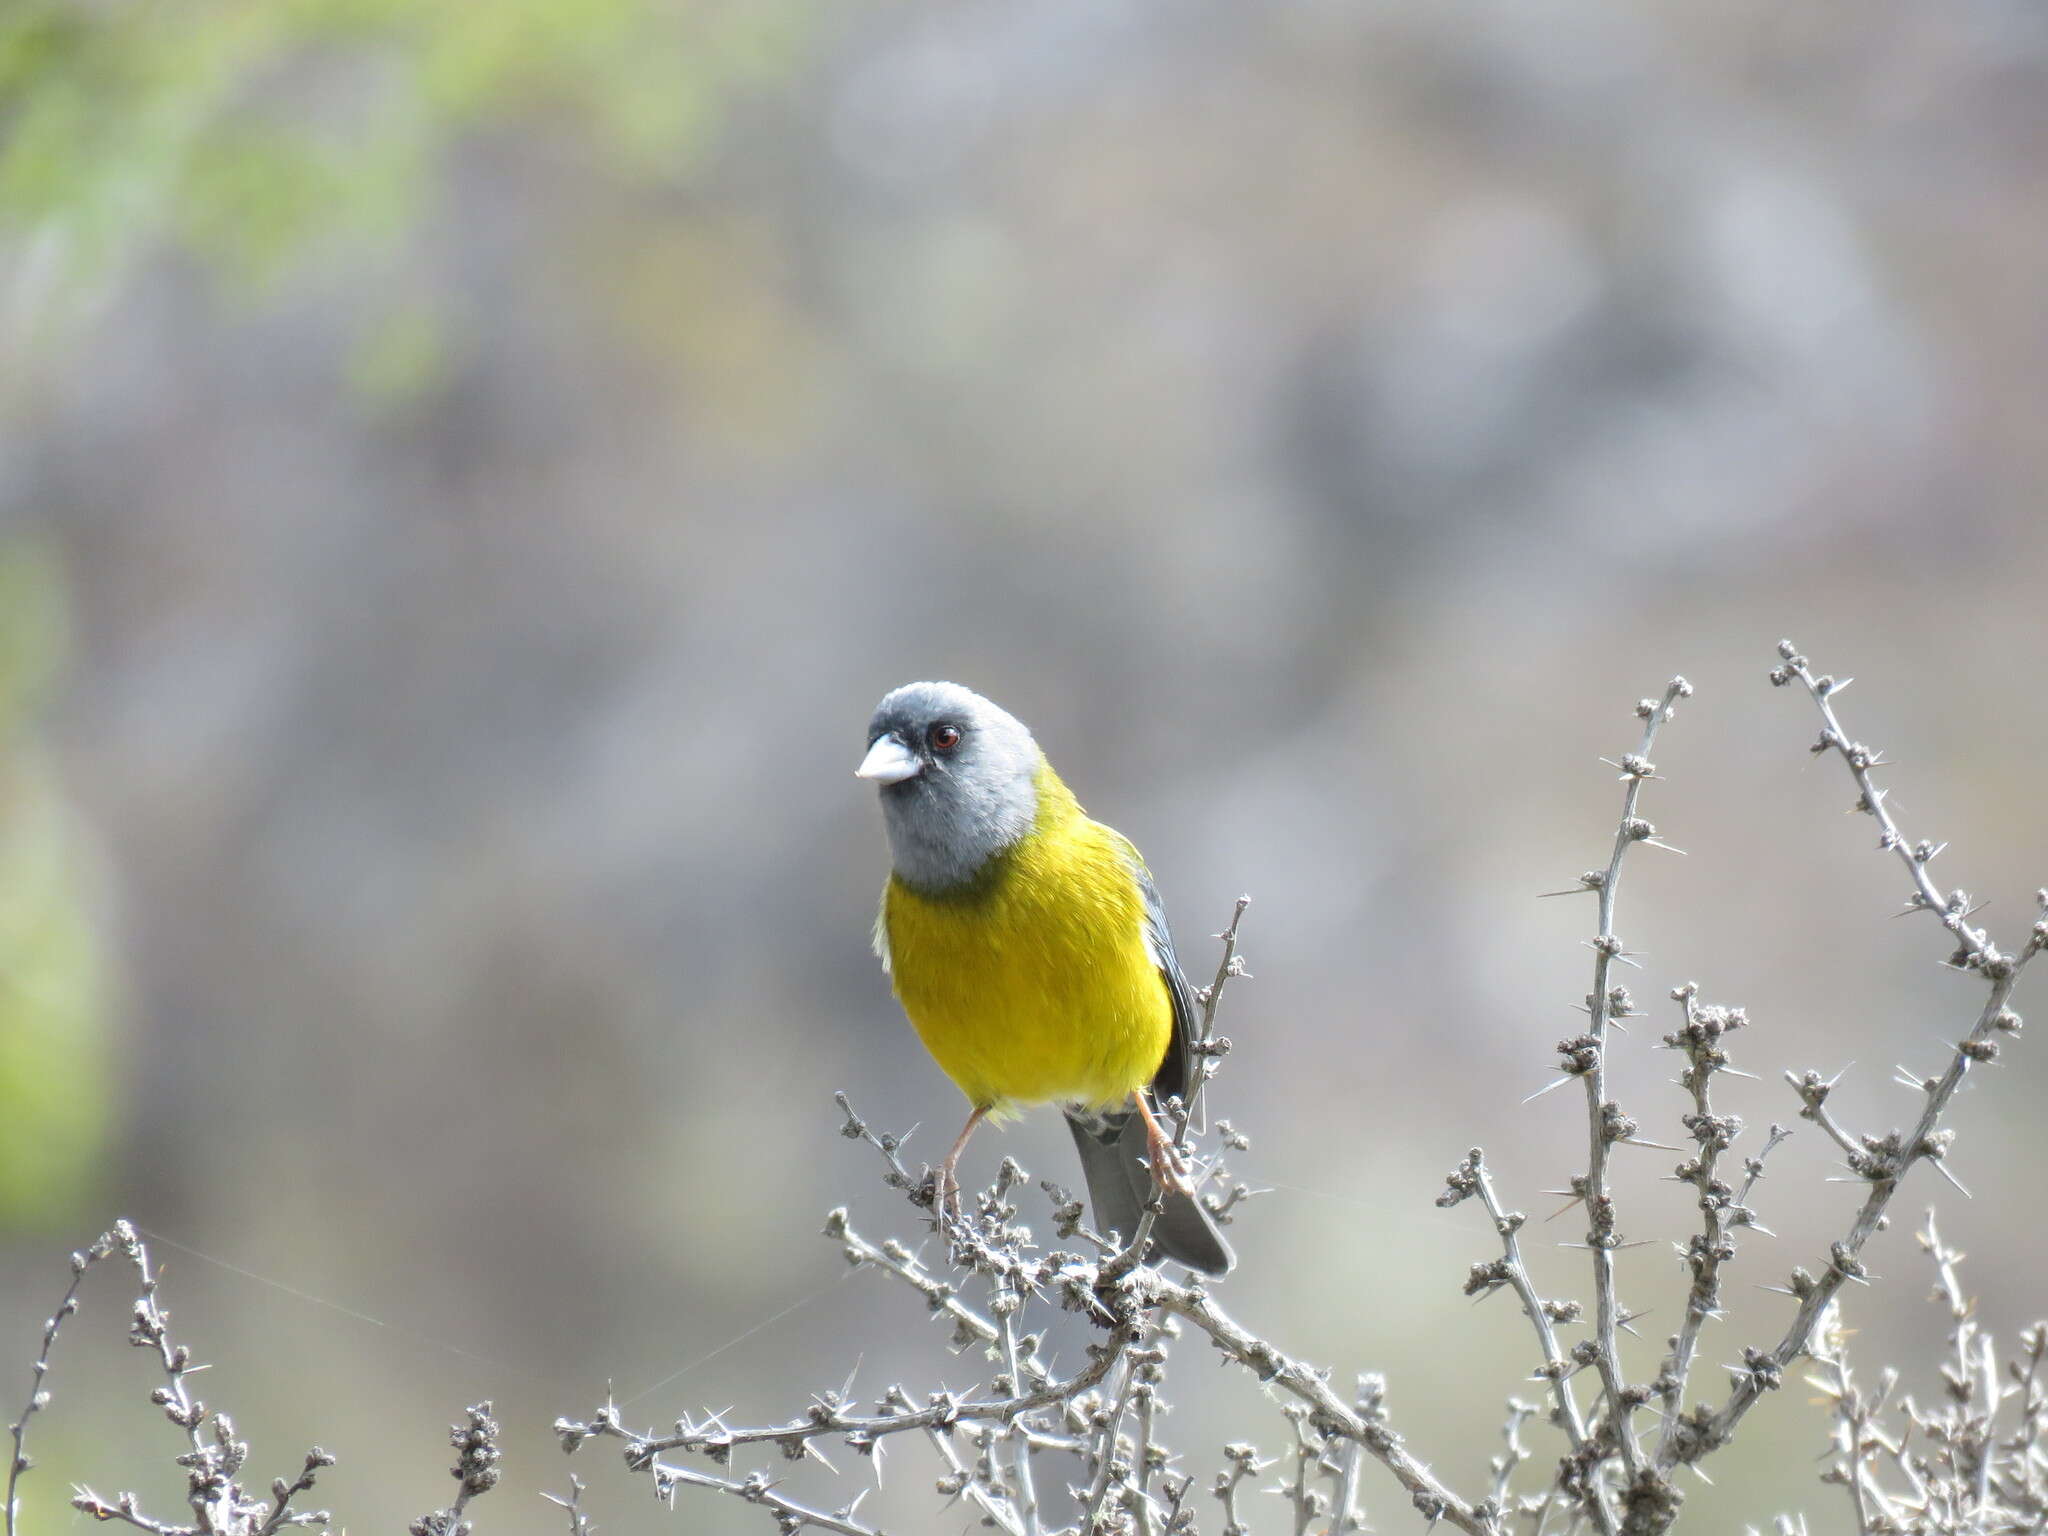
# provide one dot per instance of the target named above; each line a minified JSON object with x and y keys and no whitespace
{"x":1350,"y":1518}
{"x":1605,"y":1123}
{"x":579,"y":1523}
{"x":1210,"y":1047}
{"x":1105,"y":1454}
{"x":1243,"y":1462}
{"x":127,"y":1511}
{"x":1469,"y":1178}
{"x":1701,"y":1037}
{"x":759,"y":1488}
{"x":961,"y":1481}
{"x":829,"y":1417}
{"x":39,"y":1393}
{"x":475,"y":1471}
{"x":213,"y":1463}
{"x":1309,"y":1502}
{"x":891,"y":1255}
{"x":1367,"y":1425}
{"x":1504,"y":1465}
{"x":1006,"y":1306}
{"x":1962,"y":1478}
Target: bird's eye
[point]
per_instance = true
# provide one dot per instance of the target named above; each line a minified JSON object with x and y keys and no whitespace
{"x":944,"y":738}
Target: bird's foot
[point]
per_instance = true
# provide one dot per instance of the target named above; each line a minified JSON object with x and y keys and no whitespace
{"x":946,"y":1182}
{"x":945,"y":1196}
{"x":1169,"y":1168}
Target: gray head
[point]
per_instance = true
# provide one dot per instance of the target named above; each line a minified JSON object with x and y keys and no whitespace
{"x":956,"y":775}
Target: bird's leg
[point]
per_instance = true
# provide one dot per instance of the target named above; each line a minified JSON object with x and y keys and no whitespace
{"x":1169,"y":1168}
{"x":946,"y":1195}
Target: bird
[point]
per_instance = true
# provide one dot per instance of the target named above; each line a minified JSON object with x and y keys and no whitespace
{"x":1028,"y":945}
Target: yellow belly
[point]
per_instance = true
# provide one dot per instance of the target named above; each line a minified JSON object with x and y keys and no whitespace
{"x":1035,"y":985}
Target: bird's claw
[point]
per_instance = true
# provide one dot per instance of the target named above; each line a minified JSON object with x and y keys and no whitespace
{"x":1169,"y":1168}
{"x":945,"y":1196}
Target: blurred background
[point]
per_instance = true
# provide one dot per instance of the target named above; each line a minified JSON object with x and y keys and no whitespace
{"x":467,"y":473}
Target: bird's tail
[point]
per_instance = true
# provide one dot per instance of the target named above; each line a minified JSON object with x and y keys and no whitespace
{"x":1112,"y":1147}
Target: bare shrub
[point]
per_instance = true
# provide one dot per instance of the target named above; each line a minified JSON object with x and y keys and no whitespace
{"x":1041,"y":1450}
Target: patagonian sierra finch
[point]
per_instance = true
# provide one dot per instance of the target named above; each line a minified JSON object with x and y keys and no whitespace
{"x":1030,"y":950}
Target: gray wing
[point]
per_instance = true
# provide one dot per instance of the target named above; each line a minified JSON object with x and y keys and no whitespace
{"x":1177,"y":1071}
{"x":1112,"y":1142}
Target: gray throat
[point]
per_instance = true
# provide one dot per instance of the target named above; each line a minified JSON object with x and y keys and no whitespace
{"x":942,"y":836}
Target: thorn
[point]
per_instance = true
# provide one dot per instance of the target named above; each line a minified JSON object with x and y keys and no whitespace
{"x":1542,"y":1091}
{"x":1658,"y":842}
{"x":1942,"y":1169}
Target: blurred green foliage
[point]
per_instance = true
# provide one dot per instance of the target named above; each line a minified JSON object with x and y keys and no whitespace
{"x":254,"y":133}
{"x":55,"y":1087}
{"x":273,"y":141}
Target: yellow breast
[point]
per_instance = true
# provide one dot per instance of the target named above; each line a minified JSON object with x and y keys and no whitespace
{"x":1034,"y":984}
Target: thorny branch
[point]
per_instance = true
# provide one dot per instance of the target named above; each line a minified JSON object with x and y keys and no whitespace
{"x":1947,"y":1470}
{"x":39,"y":1396}
{"x":1723,"y":1209}
{"x":1467,"y":1179}
{"x":1646,"y":1501}
{"x":1606,"y":1125}
{"x":214,"y":1457}
{"x":1103,"y":1414}
{"x":1609,"y":1474}
{"x":1210,"y":1047}
{"x":475,"y":1472}
{"x":1077,"y":1283}
{"x":1882,"y":1161}
{"x":572,"y":1506}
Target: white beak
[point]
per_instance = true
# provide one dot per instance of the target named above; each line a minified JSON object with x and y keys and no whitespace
{"x":889,"y":762}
